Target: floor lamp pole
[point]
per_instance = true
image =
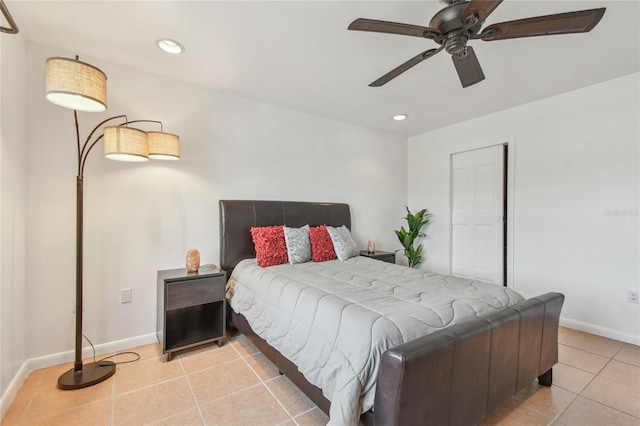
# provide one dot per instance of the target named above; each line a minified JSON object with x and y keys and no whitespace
{"x":83,"y":375}
{"x":79,"y":293}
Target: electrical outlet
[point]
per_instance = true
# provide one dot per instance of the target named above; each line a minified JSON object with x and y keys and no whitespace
{"x":125,"y":296}
{"x":632,"y":296}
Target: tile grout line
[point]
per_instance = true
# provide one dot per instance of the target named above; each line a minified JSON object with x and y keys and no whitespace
{"x":607,"y":378}
{"x":557,"y":416}
{"x":591,"y":379}
{"x":583,"y":370}
{"x":155,"y":383}
{"x":579,"y":394}
{"x":213,"y":366}
{"x":209,"y":368}
{"x":520,"y":406}
{"x":19,"y":422}
{"x":584,"y":350}
{"x":149,"y":386}
{"x":26,"y":409}
{"x":193,"y":395}
{"x":168,"y":417}
{"x":309,"y":410}
{"x":597,"y":342}
{"x":522,"y":403}
{"x":113,"y":401}
{"x":590,"y":352}
{"x":609,"y":359}
{"x":610,"y":407}
{"x":58,"y":411}
{"x":262,"y":381}
{"x":231,"y":394}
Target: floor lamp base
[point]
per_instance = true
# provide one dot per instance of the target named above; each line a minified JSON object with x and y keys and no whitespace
{"x":91,"y":374}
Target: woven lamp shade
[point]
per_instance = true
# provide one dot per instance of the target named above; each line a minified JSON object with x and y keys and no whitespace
{"x":76,"y":85}
{"x":163,"y":146}
{"x":125,"y":144}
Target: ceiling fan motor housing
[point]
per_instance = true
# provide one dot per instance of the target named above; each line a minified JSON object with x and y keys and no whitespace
{"x":448,"y":22}
{"x":455,"y":44}
{"x":450,"y":2}
{"x":448,"y":19}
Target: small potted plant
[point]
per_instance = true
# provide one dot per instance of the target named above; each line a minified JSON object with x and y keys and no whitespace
{"x":415,"y":222}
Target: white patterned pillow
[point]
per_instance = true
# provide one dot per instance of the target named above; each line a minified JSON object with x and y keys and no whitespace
{"x":298,"y":244}
{"x":343,"y":243}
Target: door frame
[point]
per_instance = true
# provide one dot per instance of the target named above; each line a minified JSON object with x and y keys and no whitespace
{"x":510,"y":205}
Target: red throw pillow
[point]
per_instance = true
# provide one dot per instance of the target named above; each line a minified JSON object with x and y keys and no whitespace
{"x":270,"y":246}
{"x":321,"y":244}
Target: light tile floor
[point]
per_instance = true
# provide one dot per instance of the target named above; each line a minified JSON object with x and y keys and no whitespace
{"x":597,"y":382}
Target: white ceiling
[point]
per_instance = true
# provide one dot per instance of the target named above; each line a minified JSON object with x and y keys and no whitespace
{"x":300,"y":55}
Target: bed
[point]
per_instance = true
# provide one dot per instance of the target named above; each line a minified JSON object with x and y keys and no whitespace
{"x":455,"y":375}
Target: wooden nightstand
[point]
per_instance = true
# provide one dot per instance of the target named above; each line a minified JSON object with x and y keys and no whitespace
{"x":385,"y":256}
{"x":191,"y":308}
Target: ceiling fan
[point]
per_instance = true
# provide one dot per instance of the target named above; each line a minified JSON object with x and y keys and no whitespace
{"x":461,"y":21}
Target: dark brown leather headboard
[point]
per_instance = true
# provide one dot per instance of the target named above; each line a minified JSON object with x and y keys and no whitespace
{"x":238,"y":216}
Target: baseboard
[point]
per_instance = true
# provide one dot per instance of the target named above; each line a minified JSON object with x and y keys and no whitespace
{"x":101,"y":349}
{"x":12,"y":390}
{"x":62,"y":357}
{"x":600,"y":331}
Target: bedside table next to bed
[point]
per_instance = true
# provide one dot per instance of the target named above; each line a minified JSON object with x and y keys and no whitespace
{"x":191,"y":308}
{"x":384,"y":256}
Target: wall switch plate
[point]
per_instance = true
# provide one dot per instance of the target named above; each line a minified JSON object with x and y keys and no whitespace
{"x":632,"y":296}
{"x":125,"y":296}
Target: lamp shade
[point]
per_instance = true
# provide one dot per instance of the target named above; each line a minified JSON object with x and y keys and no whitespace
{"x":76,"y":85}
{"x":163,"y":146}
{"x":125,"y":144}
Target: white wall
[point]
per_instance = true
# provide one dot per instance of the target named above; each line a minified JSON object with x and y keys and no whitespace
{"x":575,"y":185}
{"x":140,"y":218}
{"x":13,"y":202}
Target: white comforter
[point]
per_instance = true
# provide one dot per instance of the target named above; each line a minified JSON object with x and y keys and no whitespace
{"x":335,"y":319}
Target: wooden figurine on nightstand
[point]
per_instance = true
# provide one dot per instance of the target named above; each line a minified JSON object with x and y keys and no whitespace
{"x":193,"y":260}
{"x":371,"y":246}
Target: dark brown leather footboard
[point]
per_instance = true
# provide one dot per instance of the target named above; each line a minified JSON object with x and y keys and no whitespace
{"x":458,"y":375}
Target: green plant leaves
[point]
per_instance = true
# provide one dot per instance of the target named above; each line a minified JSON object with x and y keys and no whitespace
{"x":406,"y":239}
{"x":415,"y":223}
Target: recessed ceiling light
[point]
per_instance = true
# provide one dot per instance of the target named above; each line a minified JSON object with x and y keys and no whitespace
{"x":170,"y":46}
{"x":400,"y":117}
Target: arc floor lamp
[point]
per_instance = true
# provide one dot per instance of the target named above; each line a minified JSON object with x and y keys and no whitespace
{"x":82,"y":87}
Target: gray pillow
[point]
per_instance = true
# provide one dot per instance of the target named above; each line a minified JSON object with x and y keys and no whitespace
{"x":298,"y":244}
{"x":343,"y":244}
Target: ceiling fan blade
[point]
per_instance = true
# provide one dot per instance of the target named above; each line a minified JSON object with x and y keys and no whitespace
{"x":480,"y":8}
{"x":375,"y":26}
{"x":468,"y":67}
{"x":562,"y":23}
{"x":405,"y":66}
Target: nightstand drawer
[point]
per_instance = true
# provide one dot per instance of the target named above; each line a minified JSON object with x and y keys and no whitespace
{"x":183,"y":294}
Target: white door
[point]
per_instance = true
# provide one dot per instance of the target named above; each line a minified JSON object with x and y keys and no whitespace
{"x":477,"y":214}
